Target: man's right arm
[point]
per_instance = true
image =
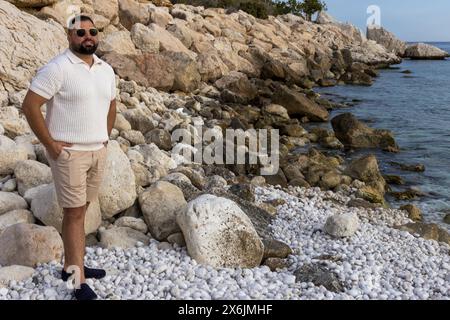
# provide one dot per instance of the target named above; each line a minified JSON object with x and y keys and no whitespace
{"x":44,"y":86}
{"x":31,"y":108}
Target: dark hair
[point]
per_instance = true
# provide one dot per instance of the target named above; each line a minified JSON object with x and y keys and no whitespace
{"x":80,"y":17}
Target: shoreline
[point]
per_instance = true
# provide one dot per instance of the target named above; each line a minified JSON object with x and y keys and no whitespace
{"x":390,"y":169}
{"x":378,"y":262}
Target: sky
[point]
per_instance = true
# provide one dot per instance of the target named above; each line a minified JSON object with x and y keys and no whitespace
{"x":409,"y":20}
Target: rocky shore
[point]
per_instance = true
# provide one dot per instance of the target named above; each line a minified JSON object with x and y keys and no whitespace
{"x":319,"y":228}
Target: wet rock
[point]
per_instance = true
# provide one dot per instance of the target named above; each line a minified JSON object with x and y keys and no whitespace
{"x":393,"y":179}
{"x":409,"y":167}
{"x":354,"y":134}
{"x":414,"y":213}
{"x":429,"y":231}
{"x":361,"y":203}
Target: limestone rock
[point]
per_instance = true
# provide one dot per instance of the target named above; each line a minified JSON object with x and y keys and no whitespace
{"x":118,"y":188}
{"x":15,"y":216}
{"x":122,"y":237}
{"x":10,"y":201}
{"x":30,"y":174}
{"x":45,"y":207}
{"x":422,"y":51}
{"x":342,"y":225}
{"x":25,"y":44}
{"x":28,"y":244}
{"x":160,"y":205}
{"x":219,"y":233}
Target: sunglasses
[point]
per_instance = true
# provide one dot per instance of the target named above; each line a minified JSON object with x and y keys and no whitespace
{"x":82,"y":32}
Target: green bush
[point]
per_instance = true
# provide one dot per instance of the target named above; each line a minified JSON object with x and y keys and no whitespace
{"x":263,"y":8}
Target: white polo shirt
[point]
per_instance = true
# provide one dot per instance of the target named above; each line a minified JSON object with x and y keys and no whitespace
{"x":79,"y":97}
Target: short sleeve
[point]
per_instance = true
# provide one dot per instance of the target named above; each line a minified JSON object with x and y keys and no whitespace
{"x":48,"y":81}
{"x":113,"y":85}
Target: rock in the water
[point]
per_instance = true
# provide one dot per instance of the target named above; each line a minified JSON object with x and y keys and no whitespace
{"x":45,"y":207}
{"x":447,"y":218}
{"x":320,"y":276}
{"x":160,"y":204}
{"x":361,"y":203}
{"x":118,"y":189}
{"x":14,"y":217}
{"x":219,"y":233}
{"x":422,"y":51}
{"x":414,"y":212}
{"x":386,"y":39}
{"x":298,"y":105}
{"x":30,"y":174}
{"x":10,"y":201}
{"x":342,"y":225}
{"x":366,"y":169}
{"x":430,"y":231}
{"x":122,"y":237}
{"x":28,"y":244}
{"x":355,"y":134}
{"x":14,"y":273}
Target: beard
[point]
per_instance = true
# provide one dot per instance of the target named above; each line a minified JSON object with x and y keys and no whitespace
{"x":85,"y":49}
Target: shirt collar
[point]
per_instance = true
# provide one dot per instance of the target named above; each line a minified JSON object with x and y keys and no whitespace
{"x":74,"y":59}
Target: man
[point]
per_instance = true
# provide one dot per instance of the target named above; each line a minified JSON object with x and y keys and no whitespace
{"x":79,"y":91}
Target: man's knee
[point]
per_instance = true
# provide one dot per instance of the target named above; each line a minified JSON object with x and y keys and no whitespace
{"x":74,"y":213}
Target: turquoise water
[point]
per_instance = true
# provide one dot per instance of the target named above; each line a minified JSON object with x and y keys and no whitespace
{"x":416,"y":108}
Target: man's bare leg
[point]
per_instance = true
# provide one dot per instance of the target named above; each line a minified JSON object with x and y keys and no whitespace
{"x":74,"y":238}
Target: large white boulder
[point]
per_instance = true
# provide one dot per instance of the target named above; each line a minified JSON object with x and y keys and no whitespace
{"x":118,"y":189}
{"x":15,"y":217}
{"x":28,"y":244}
{"x":30,"y":174}
{"x":45,"y":207}
{"x":160,"y":204}
{"x":425,"y":51}
{"x":10,"y":155}
{"x":219,"y":233}
{"x":10,"y":201}
{"x":342,"y":225}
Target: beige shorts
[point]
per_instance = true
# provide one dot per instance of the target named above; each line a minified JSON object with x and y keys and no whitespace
{"x":77,"y":176}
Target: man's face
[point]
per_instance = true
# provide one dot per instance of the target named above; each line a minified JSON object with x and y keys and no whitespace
{"x":86,"y":44}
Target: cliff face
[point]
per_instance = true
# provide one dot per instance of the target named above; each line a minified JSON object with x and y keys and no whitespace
{"x":203,"y":44}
